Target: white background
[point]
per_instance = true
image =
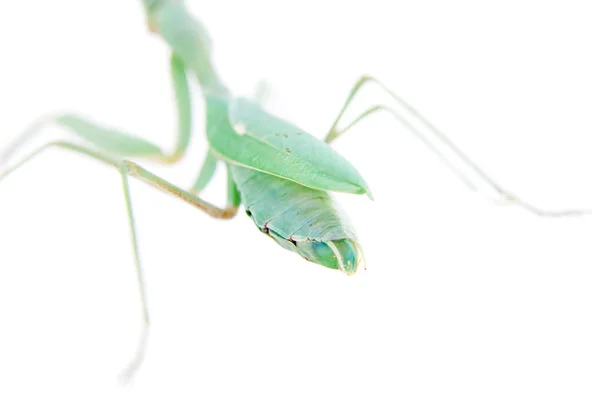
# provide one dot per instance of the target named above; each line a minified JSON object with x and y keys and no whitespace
{"x":462,"y":298}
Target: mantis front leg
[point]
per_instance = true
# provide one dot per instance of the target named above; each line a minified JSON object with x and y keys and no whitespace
{"x":123,"y":144}
{"x":117,"y":142}
{"x":435,"y":140}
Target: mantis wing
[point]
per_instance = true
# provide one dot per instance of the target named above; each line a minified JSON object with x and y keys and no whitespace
{"x":261,"y":141}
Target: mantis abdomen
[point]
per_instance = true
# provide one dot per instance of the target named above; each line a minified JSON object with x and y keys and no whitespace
{"x":299,"y":218}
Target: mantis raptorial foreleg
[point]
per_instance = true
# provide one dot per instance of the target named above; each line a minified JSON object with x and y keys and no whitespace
{"x":127,"y":169}
{"x":121,"y":143}
{"x":206,"y":172}
{"x":261,"y":92}
{"x":335,"y":131}
{"x":126,"y":145}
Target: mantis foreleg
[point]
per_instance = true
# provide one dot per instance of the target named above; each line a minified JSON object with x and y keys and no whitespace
{"x":206,"y":172}
{"x":335,"y":131}
{"x":127,"y":169}
{"x":121,"y":143}
{"x":127,"y":145}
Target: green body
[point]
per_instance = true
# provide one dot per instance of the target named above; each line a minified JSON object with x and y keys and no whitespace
{"x":281,"y":172}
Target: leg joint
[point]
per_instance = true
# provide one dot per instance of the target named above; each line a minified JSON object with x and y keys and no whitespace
{"x":129,"y":167}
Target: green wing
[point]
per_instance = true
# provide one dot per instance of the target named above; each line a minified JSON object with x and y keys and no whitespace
{"x":241,"y":132}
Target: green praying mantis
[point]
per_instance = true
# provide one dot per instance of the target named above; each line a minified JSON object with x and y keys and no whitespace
{"x":282,"y":175}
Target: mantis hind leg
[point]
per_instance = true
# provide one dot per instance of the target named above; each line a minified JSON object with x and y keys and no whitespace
{"x":130,"y":169}
{"x":117,"y":142}
{"x":437,"y":142}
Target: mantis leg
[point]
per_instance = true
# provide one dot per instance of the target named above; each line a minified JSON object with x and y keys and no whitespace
{"x":206,"y":172}
{"x":127,"y":169}
{"x":261,"y":93}
{"x":117,"y":142}
{"x":435,"y":141}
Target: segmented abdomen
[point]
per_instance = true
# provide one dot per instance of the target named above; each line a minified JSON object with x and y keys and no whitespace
{"x":294,"y":212}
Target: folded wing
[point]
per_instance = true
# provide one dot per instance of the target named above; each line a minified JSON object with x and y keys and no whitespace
{"x":241,"y":132}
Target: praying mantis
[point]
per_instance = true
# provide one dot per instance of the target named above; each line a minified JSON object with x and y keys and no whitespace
{"x":271,"y":162}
